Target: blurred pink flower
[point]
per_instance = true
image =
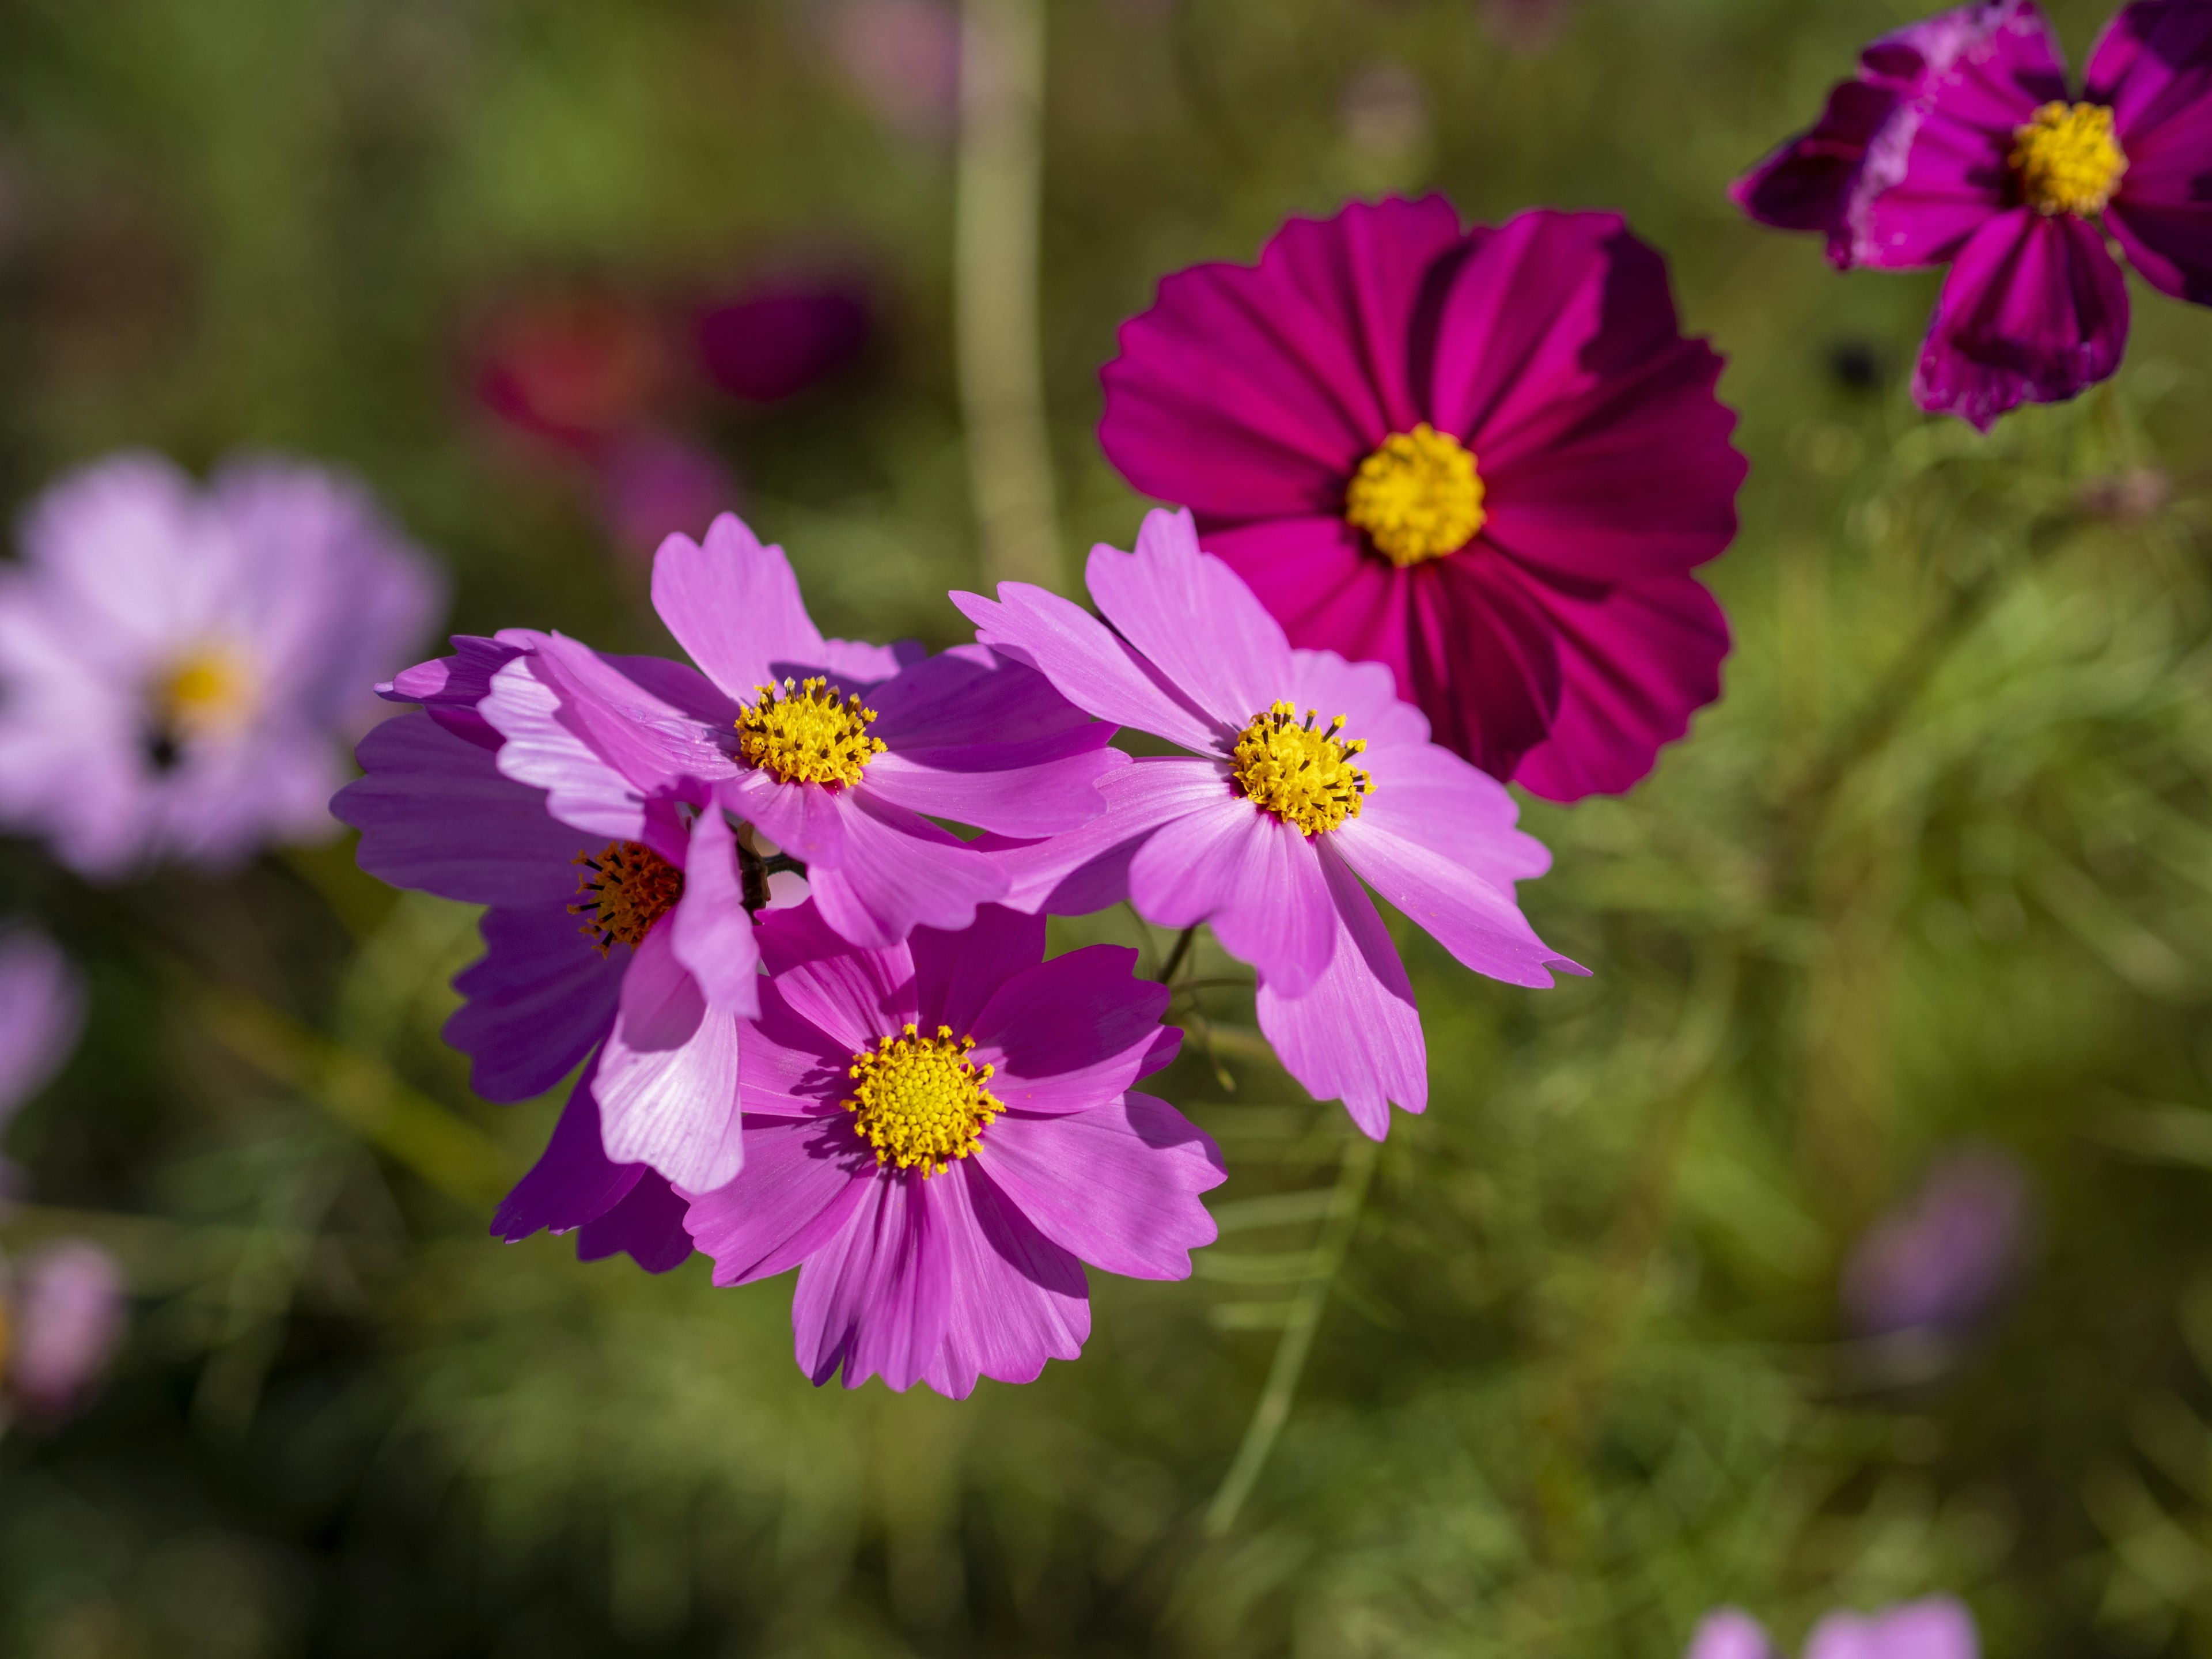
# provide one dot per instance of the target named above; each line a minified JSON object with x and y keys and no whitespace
{"x":901,"y":57}
{"x":1937,"y":1627}
{"x":656,"y":484}
{"x":1942,"y":1261}
{"x":41,"y":1014}
{"x":68,"y":1319}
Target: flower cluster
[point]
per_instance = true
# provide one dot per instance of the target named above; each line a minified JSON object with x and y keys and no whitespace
{"x":1937,"y":1627}
{"x":1959,"y":144}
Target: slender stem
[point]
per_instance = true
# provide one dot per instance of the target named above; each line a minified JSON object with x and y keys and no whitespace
{"x":1175,"y":957}
{"x":1296,"y":1343}
{"x":995,"y":277}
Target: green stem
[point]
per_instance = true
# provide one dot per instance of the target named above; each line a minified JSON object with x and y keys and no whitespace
{"x":1174,"y":956}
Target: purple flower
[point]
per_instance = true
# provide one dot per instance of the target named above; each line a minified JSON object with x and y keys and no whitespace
{"x":1958,"y":144}
{"x":66,"y":1322}
{"x":1268,"y":826}
{"x":545,"y":780}
{"x":177,"y":666}
{"x":941,"y":1134}
{"x":1938,"y":1627}
{"x":1943,"y":1260}
{"x":41,"y":1013}
{"x":1486,"y":457}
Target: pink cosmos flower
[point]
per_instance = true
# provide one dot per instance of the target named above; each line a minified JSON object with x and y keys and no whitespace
{"x":544,"y":780}
{"x":66,"y":1320}
{"x":1958,"y":144}
{"x":1486,"y":457}
{"x":941,"y":1134}
{"x":1268,"y":824}
{"x":41,"y":1013}
{"x":1938,"y":1627}
{"x":178,"y":665}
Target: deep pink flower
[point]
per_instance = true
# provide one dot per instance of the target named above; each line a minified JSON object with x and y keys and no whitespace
{"x":941,"y":1134}
{"x":534,"y":751}
{"x":1938,"y":1627}
{"x":1486,"y":458}
{"x":1958,"y":144}
{"x":66,"y":1320}
{"x":179,"y":668}
{"x":1236,"y":834}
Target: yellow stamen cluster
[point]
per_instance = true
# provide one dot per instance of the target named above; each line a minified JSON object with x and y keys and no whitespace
{"x":2068,"y":159}
{"x":201,"y":692}
{"x":629,"y":887}
{"x":803,"y":734}
{"x":920,"y":1101}
{"x":1418,"y":497}
{"x":1304,"y":776}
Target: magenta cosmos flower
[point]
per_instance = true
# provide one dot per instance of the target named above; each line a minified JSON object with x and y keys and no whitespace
{"x":1486,"y":458}
{"x":1305,"y":773}
{"x":1936,"y":1628}
{"x":1959,"y":143}
{"x":941,"y":1134}
{"x":549,"y":783}
{"x":179,"y":666}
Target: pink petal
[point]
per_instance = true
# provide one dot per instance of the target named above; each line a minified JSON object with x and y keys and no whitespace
{"x":546,"y":750}
{"x":654,"y":744}
{"x":801,"y":1183}
{"x":876,"y":1298}
{"x":896,"y":871}
{"x":1251,"y":877}
{"x":1939,"y":1628}
{"x":971,"y":696}
{"x":2034,"y":311}
{"x":1067,"y":1034}
{"x":1317,"y":577}
{"x":1088,"y":869}
{"x":1435,"y":798}
{"x":710,"y":932}
{"x":789,"y":1066}
{"x":1040,"y":800}
{"x":852,"y":995}
{"x":1365,"y":693}
{"x":734,"y":605}
{"x":957,"y":973}
{"x":1117,"y":1185}
{"x":535,"y":1003}
{"x":806,"y":820}
{"x":1016,"y":1299}
{"x":1476,"y":920}
{"x":667,"y":1084}
{"x":1355,"y":1034}
{"x":1728,"y":1633}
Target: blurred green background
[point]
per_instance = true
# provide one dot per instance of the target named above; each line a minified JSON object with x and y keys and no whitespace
{"x":1936,"y":870}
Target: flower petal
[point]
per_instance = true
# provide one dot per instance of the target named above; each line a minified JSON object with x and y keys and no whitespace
{"x":1729,"y":1633}
{"x":710,"y":931}
{"x":544,"y":747}
{"x":1474,"y":919}
{"x":896,"y":871}
{"x":876,"y":1299}
{"x":1068,"y":1034}
{"x":1485,"y":661}
{"x":851,"y":994}
{"x":648,"y":1225}
{"x":957,"y":973}
{"x":667,"y":1084}
{"x":2153,"y":66}
{"x":802,"y":1179}
{"x":1250,"y":876}
{"x":1938,"y":1627}
{"x":1088,"y":869}
{"x":573,"y":1182}
{"x":733,"y":606}
{"x":535,"y":1003}
{"x":1016,"y":1299}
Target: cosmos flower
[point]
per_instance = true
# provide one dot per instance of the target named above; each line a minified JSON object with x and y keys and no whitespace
{"x":63,"y":1321}
{"x":546,"y":781}
{"x":41,"y":1013}
{"x":941,"y":1134}
{"x":1959,"y":143}
{"x":1943,"y":1260}
{"x":1937,"y":1627}
{"x":778,"y":336}
{"x":177,"y":666}
{"x":1304,"y":775}
{"x":1486,"y":457}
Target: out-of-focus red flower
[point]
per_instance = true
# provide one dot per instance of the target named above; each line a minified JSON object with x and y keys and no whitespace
{"x":776,"y":339}
{"x":575,"y":367}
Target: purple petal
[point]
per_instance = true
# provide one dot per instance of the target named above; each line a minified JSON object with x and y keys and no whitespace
{"x":69,"y":1318}
{"x":654,"y":744}
{"x":573,"y":1182}
{"x":711,"y":932}
{"x":1810,"y":181}
{"x":1474,"y":919}
{"x":1087,"y":869}
{"x":667,"y":1084}
{"x":1118,"y":1184}
{"x":535,"y":1004}
{"x":876,"y":1298}
{"x":1939,"y":1628}
{"x":734,"y":607}
{"x":1729,"y":1633}
{"x":542,"y":750}
{"x":1086,"y":663}
{"x":957,"y":973}
{"x":648,"y":1225}
{"x":853,"y":995}
{"x":436,"y":814}
{"x":42,"y":1012}
{"x":967,"y":787}
{"x":971,"y":696}
{"x":1016,"y":1300}
{"x":790,"y":1067}
{"x":802,"y":1179}
{"x":2153,"y":65}
{"x":1067,"y":1034}
{"x":1249,"y":875}
{"x":896,"y":871}
{"x":450,"y":688}
{"x":1354,"y":1034}
{"x":1194,"y":619}
{"x":2034,"y":311}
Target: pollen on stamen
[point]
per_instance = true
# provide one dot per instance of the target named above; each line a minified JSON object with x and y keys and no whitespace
{"x":804,"y":733}
{"x":625,"y":887}
{"x":2068,"y":159}
{"x":919,"y":1101}
{"x":1419,"y":496}
{"x":1300,"y":772}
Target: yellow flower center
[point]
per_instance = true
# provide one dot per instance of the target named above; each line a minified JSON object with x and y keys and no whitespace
{"x":2068,"y":159}
{"x":919,"y":1101}
{"x":803,"y":734}
{"x":1418,"y":497}
{"x":627,"y":887}
{"x":1303,"y":775}
{"x":200,"y":693}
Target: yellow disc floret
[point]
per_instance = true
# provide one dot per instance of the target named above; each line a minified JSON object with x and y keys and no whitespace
{"x":918,"y":1100}
{"x":1302,"y":775}
{"x":2068,"y":159}
{"x":627,"y":887}
{"x":1418,"y":497}
{"x":201,"y":692}
{"x":804,"y":734}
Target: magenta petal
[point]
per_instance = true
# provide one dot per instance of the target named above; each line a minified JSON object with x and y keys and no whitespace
{"x":802,"y":1179}
{"x":436,"y":814}
{"x":1067,"y":1034}
{"x":1040,"y":800}
{"x":1194,"y":619}
{"x":972,"y":697}
{"x":876,"y":1299}
{"x":1086,"y":663}
{"x":852,"y":996}
{"x":654,"y":744}
{"x":2153,"y":65}
{"x":537,"y":1002}
{"x":1485,"y":665}
{"x":806,"y":820}
{"x":1474,"y":919}
{"x":1354,"y":1034}
{"x":573,"y":1182}
{"x":733,"y":606}
{"x":1809,"y":183}
{"x":546,"y":751}
{"x":2034,"y":311}
{"x":1466,"y":815}
{"x":790,"y":1067}
{"x":667,"y":1084}
{"x":648,"y":1225}
{"x":1938,"y":1627}
{"x":710,"y":931}
{"x":957,"y":973}
{"x":1117,"y":1184}
{"x":1635,"y":663}
{"x":896,"y":871}
{"x":1088,"y":869}
{"x":1017,"y":1299}
{"x":1249,"y":875}
{"x":1729,"y":1633}
{"x":1316,"y":576}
